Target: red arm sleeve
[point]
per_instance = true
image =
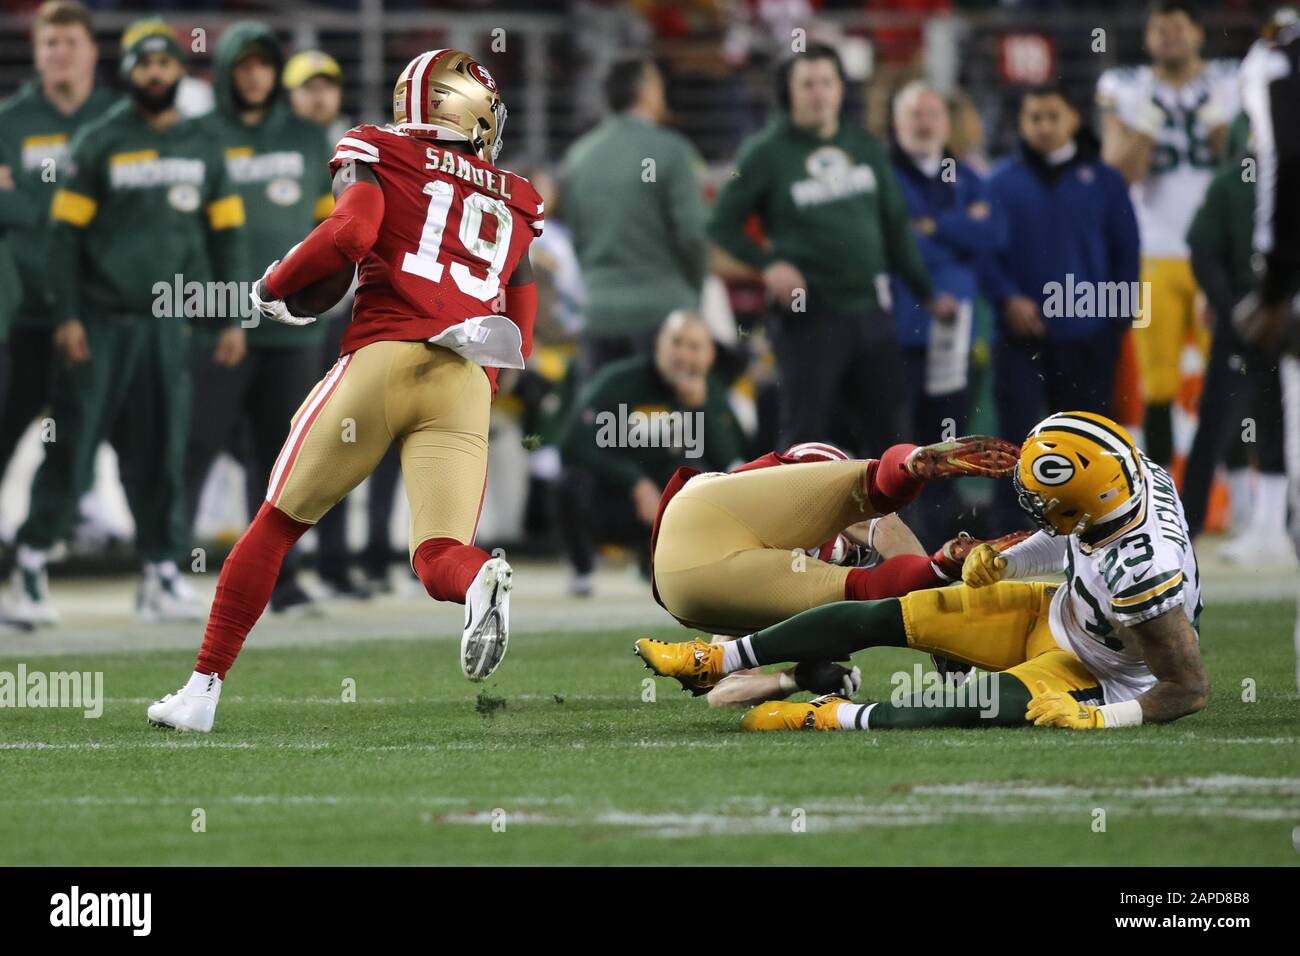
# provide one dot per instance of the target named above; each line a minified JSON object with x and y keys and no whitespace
{"x":521,"y":309}
{"x":345,"y":237}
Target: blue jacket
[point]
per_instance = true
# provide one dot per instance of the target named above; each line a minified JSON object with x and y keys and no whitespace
{"x":954,"y":252}
{"x":1074,"y":219}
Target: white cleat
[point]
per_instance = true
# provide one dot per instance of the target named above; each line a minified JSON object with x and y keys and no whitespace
{"x":193,"y":707}
{"x":27,"y":603}
{"x":167,"y":598}
{"x":487,"y":620}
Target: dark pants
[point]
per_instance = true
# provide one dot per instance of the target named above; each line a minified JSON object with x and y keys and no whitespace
{"x":31,"y":354}
{"x":1035,"y":377}
{"x":135,"y":390}
{"x":840,"y":379}
{"x":935,"y":515}
{"x":589,"y":512}
{"x":1239,"y":382}
{"x":261,"y":393}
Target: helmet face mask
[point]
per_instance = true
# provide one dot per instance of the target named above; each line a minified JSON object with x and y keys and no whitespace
{"x":448,"y":95}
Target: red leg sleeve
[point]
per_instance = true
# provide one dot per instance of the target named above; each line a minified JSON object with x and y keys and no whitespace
{"x":890,"y":485}
{"x":893,"y":577}
{"x":446,"y":567}
{"x":244,"y":588}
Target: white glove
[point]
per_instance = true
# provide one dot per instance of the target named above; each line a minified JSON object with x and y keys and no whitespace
{"x":275,"y":309}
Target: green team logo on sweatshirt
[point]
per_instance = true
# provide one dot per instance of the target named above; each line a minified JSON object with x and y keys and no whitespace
{"x":36,"y":150}
{"x":281,"y":171}
{"x":832,"y":177}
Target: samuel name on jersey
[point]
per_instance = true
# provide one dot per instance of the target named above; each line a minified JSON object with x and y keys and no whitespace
{"x":1142,"y":571}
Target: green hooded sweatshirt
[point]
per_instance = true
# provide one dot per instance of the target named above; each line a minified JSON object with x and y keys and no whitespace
{"x":279,"y":166}
{"x":138,"y":207}
{"x":34,"y":138}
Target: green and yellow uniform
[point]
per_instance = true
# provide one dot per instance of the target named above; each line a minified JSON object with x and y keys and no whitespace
{"x":139,"y":210}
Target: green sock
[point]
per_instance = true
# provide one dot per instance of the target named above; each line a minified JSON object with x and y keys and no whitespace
{"x":831,"y":632}
{"x":991,"y":700}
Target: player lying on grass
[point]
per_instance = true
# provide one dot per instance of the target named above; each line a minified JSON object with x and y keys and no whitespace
{"x":438,"y":232}
{"x":741,"y":551}
{"x":1114,"y":646}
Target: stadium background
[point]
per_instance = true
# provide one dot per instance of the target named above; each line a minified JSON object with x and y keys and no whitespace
{"x":549,"y":57}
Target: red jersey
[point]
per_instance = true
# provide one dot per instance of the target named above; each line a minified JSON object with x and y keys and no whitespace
{"x":455,"y":227}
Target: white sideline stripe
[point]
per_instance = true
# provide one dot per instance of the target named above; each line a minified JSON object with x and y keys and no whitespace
{"x":290,"y":701}
{"x":201,"y":743}
{"x":773,"y":818}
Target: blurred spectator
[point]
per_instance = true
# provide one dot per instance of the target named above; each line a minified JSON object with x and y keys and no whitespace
{"x":1071,"y":234}
{"x":634,"y":424}
{"x":631,"y":194}
{"x":899,"y":43}
{"x":955,"y":228}
{"x":1164,"y":127}
{"x":123,"y":349}
{"x":36,"y":125}
{"x":1241,"y":381}
{"x":274,"y":158}
{"x":836,"y":225}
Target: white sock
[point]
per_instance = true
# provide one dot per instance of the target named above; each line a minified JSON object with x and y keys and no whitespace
{"x":207,"y":684}
{"x":1239,"y":498}
{"x":31,"y":559}
{"x":1268,"y":516}
{"x":167,"y":570}
{"x":738,"y":655}
{"x":854,"y":716}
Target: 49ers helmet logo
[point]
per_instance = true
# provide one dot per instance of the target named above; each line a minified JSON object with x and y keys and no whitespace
{"x":483,"y":76}
{"x":1052,"y":469}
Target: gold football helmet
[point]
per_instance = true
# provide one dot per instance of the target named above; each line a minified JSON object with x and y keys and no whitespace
{"x":448,"y":95}
{"x":1078,"y":472}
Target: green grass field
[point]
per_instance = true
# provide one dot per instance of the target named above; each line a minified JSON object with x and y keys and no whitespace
{"x":580,"y":769}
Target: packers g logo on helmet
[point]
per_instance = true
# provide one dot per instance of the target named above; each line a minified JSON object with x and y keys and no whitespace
{"x":448,"y":95}
{"x":1079,"y":472}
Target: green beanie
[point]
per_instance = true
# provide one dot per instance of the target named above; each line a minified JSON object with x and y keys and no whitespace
{"x":151,"y":35}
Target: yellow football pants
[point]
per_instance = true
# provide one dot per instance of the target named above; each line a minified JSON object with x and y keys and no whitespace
{"x":1159,"y":346}
{"x":729,"y":558}
{"x":1002,"y":627}
{"x":429,"y":400}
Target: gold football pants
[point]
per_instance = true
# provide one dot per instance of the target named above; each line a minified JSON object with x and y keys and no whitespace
{"x":430,"y":401}
{"x":1002,"y":627}
{"x":730,"y":554}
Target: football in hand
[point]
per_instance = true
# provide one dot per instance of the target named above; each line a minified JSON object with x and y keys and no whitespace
{"x":322,"y":295}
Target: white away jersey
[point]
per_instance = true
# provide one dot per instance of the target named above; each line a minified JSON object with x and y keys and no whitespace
{"x":1139,"y":575}
{"x":1182,"y":163}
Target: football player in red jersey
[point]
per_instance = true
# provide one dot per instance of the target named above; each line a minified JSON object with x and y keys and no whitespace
{"x":732,"y":553}
{"x":445,"y":298}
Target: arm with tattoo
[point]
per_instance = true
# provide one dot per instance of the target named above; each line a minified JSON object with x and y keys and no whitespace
{"x":1171,"y":651}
